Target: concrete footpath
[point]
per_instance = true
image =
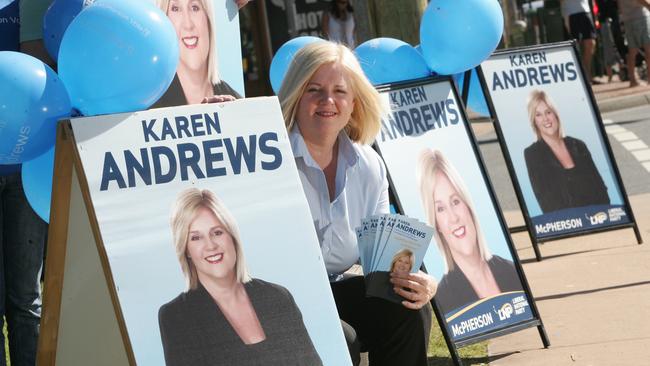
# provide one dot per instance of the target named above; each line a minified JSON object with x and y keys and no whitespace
{"x":593,"y":292}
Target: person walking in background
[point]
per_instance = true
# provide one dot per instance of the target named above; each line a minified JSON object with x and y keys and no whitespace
{"x":609,"y":13}
{"x":635,"y":14}
{"x":338,"y":23}
{"x":611,"y":56}
{"x":578,"y":20}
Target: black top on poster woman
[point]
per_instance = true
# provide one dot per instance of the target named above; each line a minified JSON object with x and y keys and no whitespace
{"x":561,"y":170}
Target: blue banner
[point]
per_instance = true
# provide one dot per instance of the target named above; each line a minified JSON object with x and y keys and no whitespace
{"x":9,"y":25}
{"x":488,"y":314}
{"x":579,"y":219}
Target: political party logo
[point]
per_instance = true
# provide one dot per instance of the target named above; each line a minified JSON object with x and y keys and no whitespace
{"x":597,"y":218}
{"x":505,"y":311}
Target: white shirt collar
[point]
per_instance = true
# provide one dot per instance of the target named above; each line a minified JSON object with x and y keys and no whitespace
{"x":346,"y":149}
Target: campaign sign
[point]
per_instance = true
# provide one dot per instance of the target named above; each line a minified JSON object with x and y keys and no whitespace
{"x":143,"y":172}
{"x":554,"y":141}
{"x":438,"y":177}
{"x":210,"y":51}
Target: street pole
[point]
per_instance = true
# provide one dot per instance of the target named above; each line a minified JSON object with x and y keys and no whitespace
{"x":290,"y":9}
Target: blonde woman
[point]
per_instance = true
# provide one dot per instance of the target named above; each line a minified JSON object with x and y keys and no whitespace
{"x":471,"y":272}
{"x":378,"y":282}
{"x":225,"y":317}
{"x":332,"y":113}
{"x":561,"y":170}
{"x":402,"y":261}
{"x":197,"y":75}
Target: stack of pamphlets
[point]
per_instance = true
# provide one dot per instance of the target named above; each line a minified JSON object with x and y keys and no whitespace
{"x":390,"y":243}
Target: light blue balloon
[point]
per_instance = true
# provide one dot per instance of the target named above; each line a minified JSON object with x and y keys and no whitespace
{"x":283,"y":58}
{"x":37,"y":183}
{"x":389,"y":60}
{"x":118,"y":56}
{"x":56,"y":20}
{"x":475,"y":99}
{"x":457,"y":35}
{"x":32,"y":99}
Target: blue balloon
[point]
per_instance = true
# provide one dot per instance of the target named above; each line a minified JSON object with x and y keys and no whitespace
{"x":118,"y":56}
{"x":56,"y":20}
{"x":475,"y":99}
{"x":283,"y":57}
{"x":32,"y":99}
{"x":37,"y":183}
{"x":388,"y":60}
{"x":458,"y":35}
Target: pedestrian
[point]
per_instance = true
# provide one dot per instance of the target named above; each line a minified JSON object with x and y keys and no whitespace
{"x":579,"y":21}
{"x":635,"y":15}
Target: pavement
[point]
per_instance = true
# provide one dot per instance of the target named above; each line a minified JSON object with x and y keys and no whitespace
{"x":592,"y":292}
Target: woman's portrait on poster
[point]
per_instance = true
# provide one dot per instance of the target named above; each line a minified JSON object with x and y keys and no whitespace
{"x":197,"y":75}
{"x":403,"y":261}
{"x":471,"y":271}
{"x":378,"y":283}
{"x":561,"y":170}
{"x":225,"y":317}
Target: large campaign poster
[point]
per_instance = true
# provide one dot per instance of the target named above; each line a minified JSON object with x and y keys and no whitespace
{"x":553,"y":138}
{"x":209,"y":50}
{"x":144,"y":171}
{"x":437,"y":177}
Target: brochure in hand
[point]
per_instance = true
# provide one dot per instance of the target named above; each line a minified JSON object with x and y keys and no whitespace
{"x":390,"y":243}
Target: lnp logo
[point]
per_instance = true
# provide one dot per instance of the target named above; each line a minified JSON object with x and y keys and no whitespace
{"x":598,"y":218}
{"x":505,"y":312}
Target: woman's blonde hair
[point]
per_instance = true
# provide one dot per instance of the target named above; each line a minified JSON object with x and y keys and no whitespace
{"x":183,"y":214}
{"x":365,"y":120}
{"x":534,"y":99}
{"x":402,"y":253}
{"x":430,"y":162}
{"x":213,"y":67}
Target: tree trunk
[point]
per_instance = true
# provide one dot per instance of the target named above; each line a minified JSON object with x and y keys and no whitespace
{"x":398,"y":19}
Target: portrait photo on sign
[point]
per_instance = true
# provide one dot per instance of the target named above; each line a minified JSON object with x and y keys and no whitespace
{"x":210,"y":52}
{"x":208,"y":237}
{"x":471,"y":271}
{"x":554,"y":140}
{"x":431,"y":161}
{"x":224,"y":313}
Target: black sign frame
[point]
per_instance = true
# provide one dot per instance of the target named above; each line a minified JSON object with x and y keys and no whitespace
{"x":529,"y":226}
{"x":536,"y":320}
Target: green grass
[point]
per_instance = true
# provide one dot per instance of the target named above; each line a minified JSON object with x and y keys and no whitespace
{"x":4,"y":331}
{"x":475,"y":354}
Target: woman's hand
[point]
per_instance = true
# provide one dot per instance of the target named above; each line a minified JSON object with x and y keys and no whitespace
{"x":218,"y":99}
{"x":417,"y":288}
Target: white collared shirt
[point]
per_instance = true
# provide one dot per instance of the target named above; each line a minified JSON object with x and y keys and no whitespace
{"x":361,"y":191}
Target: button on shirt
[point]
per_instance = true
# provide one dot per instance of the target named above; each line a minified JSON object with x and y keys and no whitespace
{"x":361,"y":191}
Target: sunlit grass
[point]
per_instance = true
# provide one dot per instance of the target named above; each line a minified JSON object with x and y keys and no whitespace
{"x":475,"y":354}
{"x":4,"y":331}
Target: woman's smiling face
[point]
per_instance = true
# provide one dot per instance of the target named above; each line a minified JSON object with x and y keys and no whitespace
{"x":454,"y":219}
{"x":546,"y":120}
{"x":192,"y":27}
{"x":211,"y":248}
{"x":403,"y":264}
{"x":327,"y":102}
